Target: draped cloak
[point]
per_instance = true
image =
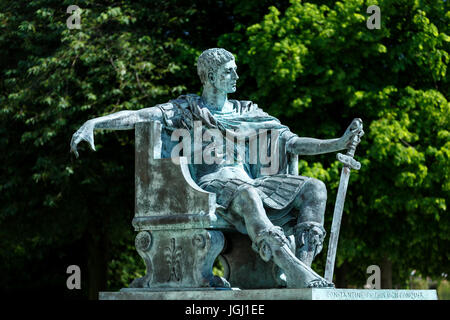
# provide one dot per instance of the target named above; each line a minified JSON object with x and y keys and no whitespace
{"x":278,"y":190}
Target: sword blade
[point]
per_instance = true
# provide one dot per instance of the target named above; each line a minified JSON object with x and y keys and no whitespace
{"x":336,"y":225}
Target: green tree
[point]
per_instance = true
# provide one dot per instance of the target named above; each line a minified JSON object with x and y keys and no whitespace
{"x":317,"y":66}
{"x":55,"y":210}
{"x":314,"y":61}
{"x":125,"y":56}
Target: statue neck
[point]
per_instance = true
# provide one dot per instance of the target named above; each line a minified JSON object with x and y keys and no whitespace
{"x":215,"y":99}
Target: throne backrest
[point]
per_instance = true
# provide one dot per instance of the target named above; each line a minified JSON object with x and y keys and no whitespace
{"x":165,"y":193}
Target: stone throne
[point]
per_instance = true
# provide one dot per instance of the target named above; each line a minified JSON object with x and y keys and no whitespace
{"x":180,"y":235}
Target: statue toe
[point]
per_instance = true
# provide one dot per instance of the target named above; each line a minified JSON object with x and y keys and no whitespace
{"x":320,"y":283}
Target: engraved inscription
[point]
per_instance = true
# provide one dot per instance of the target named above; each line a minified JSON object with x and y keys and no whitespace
{"x":375,"y":295}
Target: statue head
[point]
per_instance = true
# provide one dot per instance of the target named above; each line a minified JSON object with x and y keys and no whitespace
{"x":217,"y":68}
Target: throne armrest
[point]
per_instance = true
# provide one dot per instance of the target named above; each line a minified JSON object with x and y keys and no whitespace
{"x":166,"y":197}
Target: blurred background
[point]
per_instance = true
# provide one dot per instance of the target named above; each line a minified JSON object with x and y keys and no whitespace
{"x":313,"y":64}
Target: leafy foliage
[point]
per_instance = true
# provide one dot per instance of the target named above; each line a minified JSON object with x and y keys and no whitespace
{"x":127,"y":55}
{"x":320,"y":63}
{"x":315,"y":61}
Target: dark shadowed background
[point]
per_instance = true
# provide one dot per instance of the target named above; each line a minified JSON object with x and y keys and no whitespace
{"x":313,"y":64}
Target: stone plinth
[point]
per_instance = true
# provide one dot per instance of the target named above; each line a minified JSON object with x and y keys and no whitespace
{"x":269,"y":294}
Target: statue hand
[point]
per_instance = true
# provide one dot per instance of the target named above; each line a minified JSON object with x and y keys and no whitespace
{"x":353,"y":133}
{"x":86,"y":133}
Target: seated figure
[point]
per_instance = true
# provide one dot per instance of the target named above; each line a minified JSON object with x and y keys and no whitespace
{"x":263,"y":203}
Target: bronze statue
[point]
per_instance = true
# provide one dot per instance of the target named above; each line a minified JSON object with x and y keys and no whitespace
{"x":268,"y":206}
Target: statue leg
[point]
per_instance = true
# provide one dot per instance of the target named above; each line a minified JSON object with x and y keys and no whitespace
{"x":309,"y":231}
{"x":271,"y":243}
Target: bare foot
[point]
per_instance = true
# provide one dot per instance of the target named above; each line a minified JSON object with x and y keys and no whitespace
{"x":298,"y":274}
{"x":272,"y":243}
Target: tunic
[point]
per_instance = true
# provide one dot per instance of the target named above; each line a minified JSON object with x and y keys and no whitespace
{"x":233,"y":170}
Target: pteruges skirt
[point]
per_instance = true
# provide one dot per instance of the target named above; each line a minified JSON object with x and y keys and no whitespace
{"x":277,"y":192}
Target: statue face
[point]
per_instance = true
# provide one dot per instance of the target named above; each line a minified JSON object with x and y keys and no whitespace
{"x":225,"y":77}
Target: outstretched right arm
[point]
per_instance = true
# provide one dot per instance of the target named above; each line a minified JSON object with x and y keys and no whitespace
{"x":123,"y":120}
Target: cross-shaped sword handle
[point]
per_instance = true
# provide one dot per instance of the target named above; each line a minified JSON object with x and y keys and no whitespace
{"x":348,"y":161}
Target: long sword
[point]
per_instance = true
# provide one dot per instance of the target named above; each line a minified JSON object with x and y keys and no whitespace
{"x":349,"y":163}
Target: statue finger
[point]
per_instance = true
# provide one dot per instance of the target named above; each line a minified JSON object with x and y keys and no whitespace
{"x":90,"y":140}
{"x":73,"y":139}
{"x":73,"y":145}
{"x":357,"y":124}
{"x":73,"y":149}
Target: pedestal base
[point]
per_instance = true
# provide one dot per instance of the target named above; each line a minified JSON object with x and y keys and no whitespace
{"x":268,"y":294}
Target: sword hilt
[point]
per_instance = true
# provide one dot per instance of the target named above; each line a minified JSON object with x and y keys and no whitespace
{"x":352,"y":148}
{"x":355,"y":125}
{"x":347,"y":159}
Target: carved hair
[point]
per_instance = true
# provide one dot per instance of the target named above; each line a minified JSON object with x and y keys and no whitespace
{"x":210,"y":60}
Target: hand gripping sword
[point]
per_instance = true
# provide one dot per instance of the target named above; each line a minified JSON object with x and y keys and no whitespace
{"x":349,"y":163}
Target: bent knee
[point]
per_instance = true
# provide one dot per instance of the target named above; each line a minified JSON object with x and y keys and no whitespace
{"x":248,"y":193}
{"x":246,"y":199}
{"x":315,"y":189}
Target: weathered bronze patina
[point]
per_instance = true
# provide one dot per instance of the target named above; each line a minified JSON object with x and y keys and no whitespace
{"x":183,"y":204}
